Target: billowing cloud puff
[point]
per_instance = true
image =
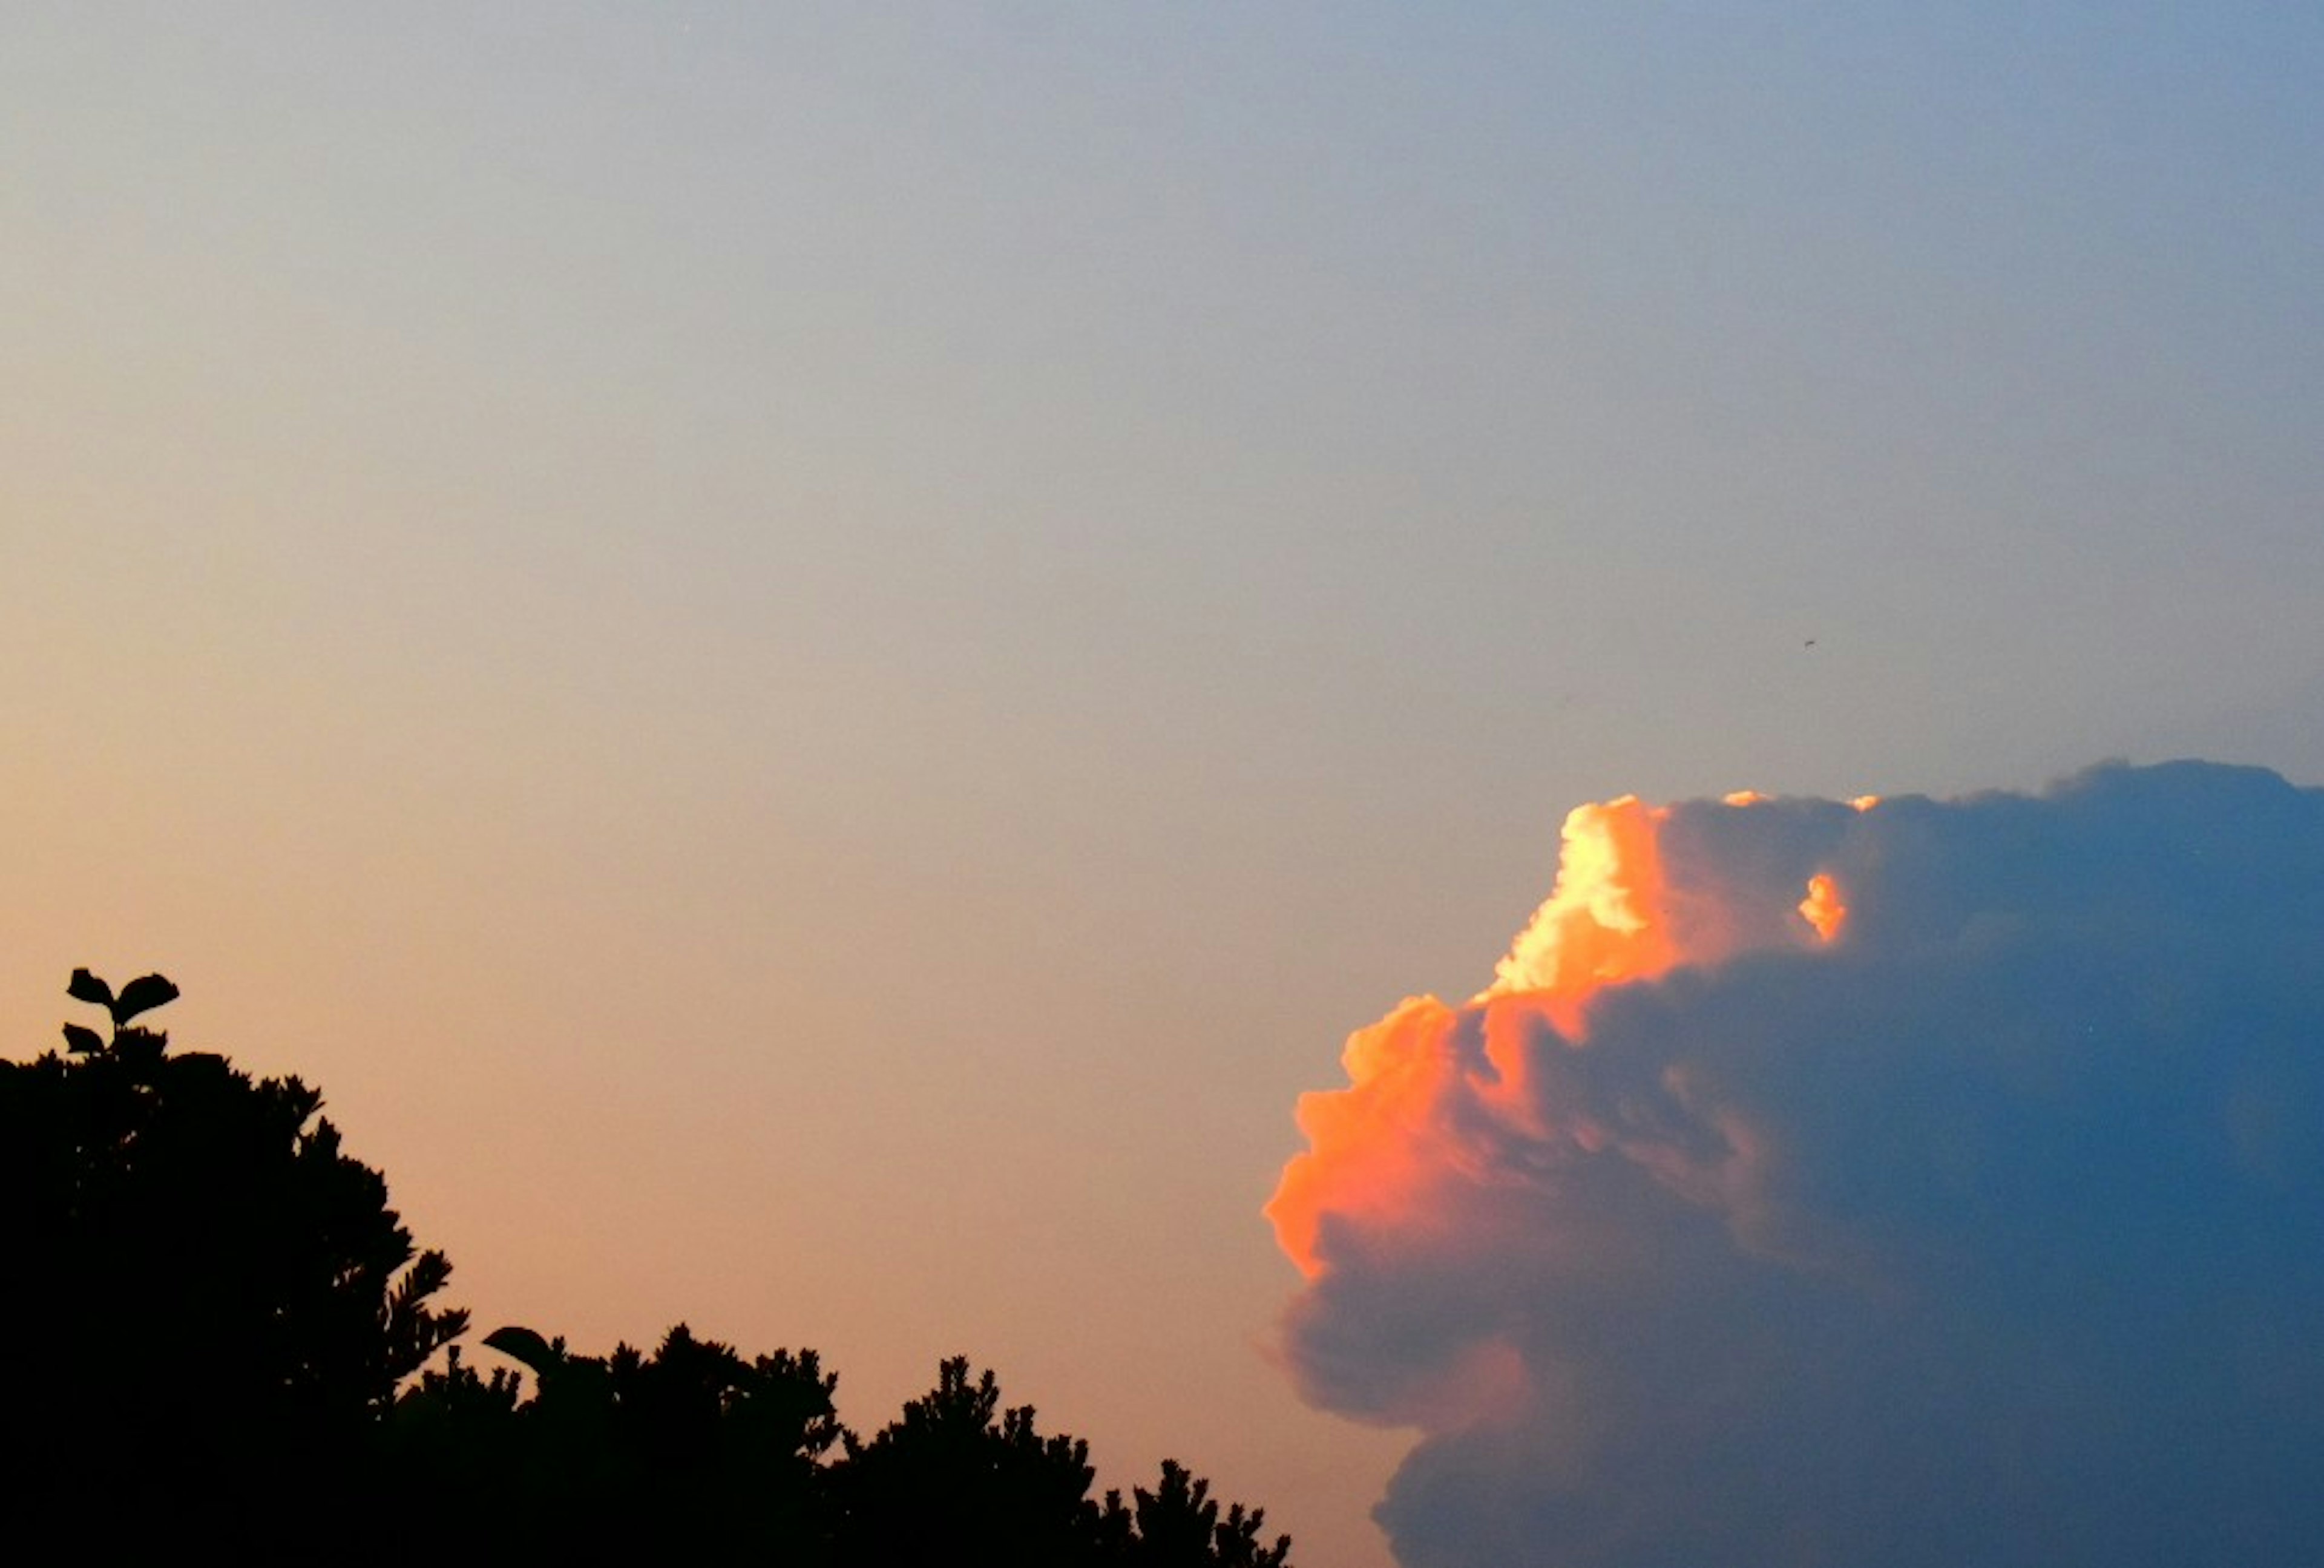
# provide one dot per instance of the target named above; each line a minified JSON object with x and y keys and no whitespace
{"x":1869,"y":1185}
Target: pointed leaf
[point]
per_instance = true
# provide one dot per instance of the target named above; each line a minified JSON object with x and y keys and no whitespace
{"x":83,"y":1042}
{"x":521,"y":1344}
{"x":142,"y":995}
{"x":87,"y":987}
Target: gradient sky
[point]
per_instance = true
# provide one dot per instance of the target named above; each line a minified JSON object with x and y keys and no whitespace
{"x":813,"y":657}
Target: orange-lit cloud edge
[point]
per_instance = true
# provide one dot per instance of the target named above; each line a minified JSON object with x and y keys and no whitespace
{"x":1614,"y":916}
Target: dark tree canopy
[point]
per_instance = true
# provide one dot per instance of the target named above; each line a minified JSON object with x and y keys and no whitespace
{"x":692,"y":1453}
{"x":201,"y":1287}
{"x":958,"y":1481}
{"x":215,"y":1332}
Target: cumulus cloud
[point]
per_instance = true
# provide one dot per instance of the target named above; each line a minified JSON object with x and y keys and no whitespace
{"x":1872,"y":1184}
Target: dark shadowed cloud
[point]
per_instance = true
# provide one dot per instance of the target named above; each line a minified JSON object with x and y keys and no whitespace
{"x":1988,"y":1229}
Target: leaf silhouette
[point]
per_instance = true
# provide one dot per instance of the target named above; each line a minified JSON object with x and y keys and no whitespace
{"x":521,"y":1344}
{"x":142,"y":995}
{"x":87,"y":987}
{"x":83,"y":1042}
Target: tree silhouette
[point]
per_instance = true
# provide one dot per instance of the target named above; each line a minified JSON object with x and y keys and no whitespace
{"x":1177,"y":1525}
{"x":214,"y":1332}
{"x":695,"y":1454}
{"x":692,"y":1453}
{"x":957,"y":1480}
{"x":207,"y":1301}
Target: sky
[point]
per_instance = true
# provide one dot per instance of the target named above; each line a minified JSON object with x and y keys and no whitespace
{"x":814,"y":658}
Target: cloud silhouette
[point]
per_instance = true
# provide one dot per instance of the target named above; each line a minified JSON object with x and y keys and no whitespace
{"x":1872,"y":1183}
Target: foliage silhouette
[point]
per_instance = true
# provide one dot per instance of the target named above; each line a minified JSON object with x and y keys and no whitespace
{"x":1177,"y":1525}
{"x":208,"y":1303}
{"x":956,"y":1480}
{"x":690,"y":1452}
{"x":214,"y":1332}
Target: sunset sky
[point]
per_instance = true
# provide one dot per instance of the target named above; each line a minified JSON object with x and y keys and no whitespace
{"x":814,"y":657}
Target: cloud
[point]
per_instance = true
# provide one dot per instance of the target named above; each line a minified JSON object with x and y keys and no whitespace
{"x":1865,"y":1185}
